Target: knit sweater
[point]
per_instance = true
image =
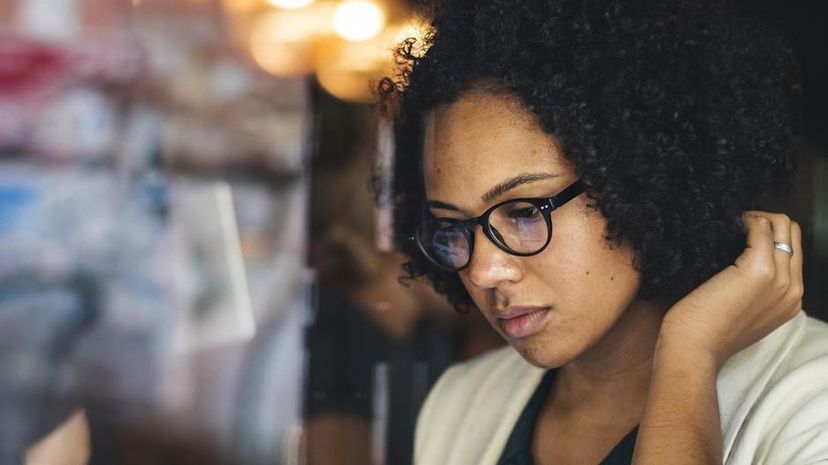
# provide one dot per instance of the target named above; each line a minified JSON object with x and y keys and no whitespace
{"x":773,"y":403}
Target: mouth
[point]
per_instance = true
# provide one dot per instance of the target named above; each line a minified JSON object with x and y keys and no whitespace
{"x":520,"y":322}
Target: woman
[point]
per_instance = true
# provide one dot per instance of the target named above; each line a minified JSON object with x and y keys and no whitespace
{"x":661,"y":321}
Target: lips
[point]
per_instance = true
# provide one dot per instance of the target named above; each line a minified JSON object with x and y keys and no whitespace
{"x":520,"y":322}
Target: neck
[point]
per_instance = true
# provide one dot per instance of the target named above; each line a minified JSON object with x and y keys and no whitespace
{"x":615,"y":371}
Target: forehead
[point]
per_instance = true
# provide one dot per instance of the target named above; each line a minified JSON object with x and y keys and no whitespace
{"x":480,"y":140}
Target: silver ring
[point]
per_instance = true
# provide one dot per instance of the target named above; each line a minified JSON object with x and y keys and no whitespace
{"x":783,"y":247}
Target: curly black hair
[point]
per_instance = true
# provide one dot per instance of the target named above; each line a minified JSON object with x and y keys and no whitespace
{"x":677,"y":115}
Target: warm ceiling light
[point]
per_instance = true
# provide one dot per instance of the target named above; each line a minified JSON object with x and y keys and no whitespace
{"x":239,"y":7}
{"x":290,"y":4}
{"x":281,"y":41}
{"x":357,"y":20}
{"x":353,"y":68}
{"x":348,"y":85}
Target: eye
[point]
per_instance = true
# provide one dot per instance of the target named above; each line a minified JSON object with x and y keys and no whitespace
{"x":522,"y":211}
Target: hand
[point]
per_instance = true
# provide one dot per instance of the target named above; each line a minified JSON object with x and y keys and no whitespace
{"x":747,"y":300}
{"x":68,"y":444}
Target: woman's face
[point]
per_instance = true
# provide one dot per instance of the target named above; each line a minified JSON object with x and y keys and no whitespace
{"x":552,"y":306}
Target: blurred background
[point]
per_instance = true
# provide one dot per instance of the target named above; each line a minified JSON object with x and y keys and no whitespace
{"x":190,"y":251}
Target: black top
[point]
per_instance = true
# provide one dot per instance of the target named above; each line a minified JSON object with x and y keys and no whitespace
{"x":518,"y":450}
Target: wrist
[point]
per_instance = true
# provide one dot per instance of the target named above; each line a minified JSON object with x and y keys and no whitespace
{"x":679,"y":349}
{"x":684,"y":335}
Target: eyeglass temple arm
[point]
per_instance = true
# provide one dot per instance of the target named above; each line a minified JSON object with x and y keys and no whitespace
{"x":567,"y":194}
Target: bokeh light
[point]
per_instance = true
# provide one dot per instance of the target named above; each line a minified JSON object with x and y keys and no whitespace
{"x":358,"y":20}
{"x":349,"y":69}
{"x":281,"y":41}
{"x":290,"y":4}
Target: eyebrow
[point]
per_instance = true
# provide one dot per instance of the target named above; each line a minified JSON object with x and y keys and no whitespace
{"x":499,"y":189}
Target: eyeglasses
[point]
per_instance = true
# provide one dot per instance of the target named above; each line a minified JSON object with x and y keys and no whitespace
{"x":521,"y":227}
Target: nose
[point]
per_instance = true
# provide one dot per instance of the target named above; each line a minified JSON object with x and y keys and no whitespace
{"x":490,"y":266}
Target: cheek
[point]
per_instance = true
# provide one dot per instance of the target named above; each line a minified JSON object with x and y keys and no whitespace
{"x":583,"y":267}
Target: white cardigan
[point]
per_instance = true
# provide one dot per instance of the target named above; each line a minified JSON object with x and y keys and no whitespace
{"x":773,"y":402}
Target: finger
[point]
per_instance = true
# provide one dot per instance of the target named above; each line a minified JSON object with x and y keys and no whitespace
{"x":758,"y":258}
{"x":797,"y":261}
{"x":781,"y":225}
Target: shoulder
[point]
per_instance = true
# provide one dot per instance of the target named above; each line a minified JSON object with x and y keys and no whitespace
{"x":467,"y":375}
{"x":471,"y":403}
{"x":782,"y":414}
{"x":803,"y":363}
{"x":812,"y":343}
{"x":795,"y":405}
{"x":465,"y":383}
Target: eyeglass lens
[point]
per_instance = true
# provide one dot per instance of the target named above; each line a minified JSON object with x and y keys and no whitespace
{"x":519,"y":226}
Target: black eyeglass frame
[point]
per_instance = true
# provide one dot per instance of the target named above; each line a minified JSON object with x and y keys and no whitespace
{"x":546,"y":205}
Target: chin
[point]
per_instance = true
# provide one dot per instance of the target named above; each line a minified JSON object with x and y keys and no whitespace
{"x":540,"y":355}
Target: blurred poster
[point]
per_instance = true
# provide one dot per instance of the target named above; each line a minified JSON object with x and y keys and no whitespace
{"x":218,"y":310}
